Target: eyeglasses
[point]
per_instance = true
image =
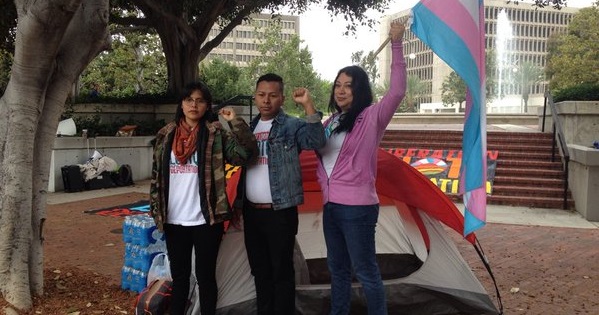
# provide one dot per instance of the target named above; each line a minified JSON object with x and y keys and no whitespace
{"x":194,"y":101}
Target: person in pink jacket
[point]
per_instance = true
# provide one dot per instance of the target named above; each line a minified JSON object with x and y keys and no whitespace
{"x":347,"y":173}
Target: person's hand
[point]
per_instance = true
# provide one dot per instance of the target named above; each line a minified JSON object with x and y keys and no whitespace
{"x":302,"y":96}
{"x":227,"y":112}
{"x":396,"y":31}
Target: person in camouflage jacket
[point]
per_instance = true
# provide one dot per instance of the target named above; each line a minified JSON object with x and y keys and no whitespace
{"x":188,"y":199}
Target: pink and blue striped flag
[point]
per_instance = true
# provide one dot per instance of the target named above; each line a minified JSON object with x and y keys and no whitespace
{"x":455,"y":31}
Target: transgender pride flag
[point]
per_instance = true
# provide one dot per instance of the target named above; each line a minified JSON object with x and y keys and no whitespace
{"x":455,"y":31}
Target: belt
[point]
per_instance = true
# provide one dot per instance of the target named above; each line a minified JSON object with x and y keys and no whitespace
{"x":259,"y":205}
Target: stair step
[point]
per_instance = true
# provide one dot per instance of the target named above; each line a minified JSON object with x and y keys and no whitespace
{"x":533,"y":202}
{"x":458,"y":138}
{"x":524,"y":191}
{"x":526,"y":156}
{"x":521,"y":181}
{"x":439,"y":144}
{"x":530,"y":164}
{"x":528,"y":172}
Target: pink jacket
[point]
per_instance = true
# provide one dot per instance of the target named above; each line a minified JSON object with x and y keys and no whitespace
{"x":352,"y":181}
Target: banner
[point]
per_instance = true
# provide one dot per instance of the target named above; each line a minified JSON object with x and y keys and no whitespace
{"x":442,"y":167}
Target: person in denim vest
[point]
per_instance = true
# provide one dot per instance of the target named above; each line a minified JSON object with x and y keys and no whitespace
{"x":347,"y":174}
{"x":271,"y":189}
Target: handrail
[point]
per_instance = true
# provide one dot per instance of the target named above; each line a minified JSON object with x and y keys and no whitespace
{"x":557,"y":128}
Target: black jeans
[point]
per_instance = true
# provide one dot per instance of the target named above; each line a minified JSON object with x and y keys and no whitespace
{"x":270,"y":240}
{"x":205,"y":240}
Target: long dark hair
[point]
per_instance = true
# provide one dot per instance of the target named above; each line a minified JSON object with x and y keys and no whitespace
{"x":186,"y":92}
{"x":362,"y":97}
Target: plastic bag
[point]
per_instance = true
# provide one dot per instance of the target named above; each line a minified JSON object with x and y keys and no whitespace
{"x":159,"y":269}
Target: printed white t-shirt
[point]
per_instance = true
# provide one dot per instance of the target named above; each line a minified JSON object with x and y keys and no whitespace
{"x":184,"y":201}
{"x":257,"y":184}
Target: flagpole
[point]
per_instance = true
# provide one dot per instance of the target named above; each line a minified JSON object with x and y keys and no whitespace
{"x":381,"y":47}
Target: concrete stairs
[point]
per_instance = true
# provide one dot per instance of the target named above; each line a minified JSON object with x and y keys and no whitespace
{"x":525,"y":175}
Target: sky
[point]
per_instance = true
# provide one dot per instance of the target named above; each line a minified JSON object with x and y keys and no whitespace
{"x":331,"y":50}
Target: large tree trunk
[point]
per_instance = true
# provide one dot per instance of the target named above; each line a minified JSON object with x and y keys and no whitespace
{"x":55,"y":41}
{"x":182,"y":55}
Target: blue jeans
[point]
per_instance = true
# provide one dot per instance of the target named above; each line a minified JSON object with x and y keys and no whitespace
{"x":349,"y":235}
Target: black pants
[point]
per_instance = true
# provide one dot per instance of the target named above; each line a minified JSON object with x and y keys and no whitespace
{"x":205,"y":240}
{"x":269,"y":240}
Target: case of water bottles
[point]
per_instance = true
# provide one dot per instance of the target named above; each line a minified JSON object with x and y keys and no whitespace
{"x":143,"y":241}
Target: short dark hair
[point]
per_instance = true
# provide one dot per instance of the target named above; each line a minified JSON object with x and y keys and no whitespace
{"x":271,"y":77}
{"x":186,"y":92}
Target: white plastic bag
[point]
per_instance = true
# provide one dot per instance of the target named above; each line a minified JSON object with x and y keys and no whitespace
{"x":160,"y":268}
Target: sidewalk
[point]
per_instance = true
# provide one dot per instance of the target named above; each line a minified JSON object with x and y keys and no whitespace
{"x":495,"y":213}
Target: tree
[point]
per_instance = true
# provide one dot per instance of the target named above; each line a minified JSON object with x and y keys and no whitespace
{"x":527,"y":75}
{"x":55,"y":41}
{"x":368,"y":63}
{"x":573,"y":58}
{"x":224,"y":79}
{"x":414,"y":89}
{"x":134,"y":65}
{"x":184,"y":27}
{"x":453,"y":90}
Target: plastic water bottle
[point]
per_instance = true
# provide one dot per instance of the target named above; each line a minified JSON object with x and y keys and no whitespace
{"x":126,"y":278}
{"x":127,"y":237}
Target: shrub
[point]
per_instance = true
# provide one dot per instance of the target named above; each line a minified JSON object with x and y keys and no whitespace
{"x":580,"y":92}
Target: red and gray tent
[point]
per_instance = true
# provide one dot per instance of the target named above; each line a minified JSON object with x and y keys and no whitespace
{"x":423,"y":271}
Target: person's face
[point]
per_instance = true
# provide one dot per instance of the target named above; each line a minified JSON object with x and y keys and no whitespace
{"x":194,"y":107}
{"x":269,"y":98}
{"x":343,"y":92}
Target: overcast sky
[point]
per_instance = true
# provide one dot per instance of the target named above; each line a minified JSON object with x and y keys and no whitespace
{"x":331,"y":50}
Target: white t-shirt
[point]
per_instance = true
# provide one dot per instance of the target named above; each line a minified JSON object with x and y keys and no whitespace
{"x":330,"y":152}
{"x":257,"y":184}
{"x":184,"y":201}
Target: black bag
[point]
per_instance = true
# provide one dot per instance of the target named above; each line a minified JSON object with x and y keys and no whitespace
{"x":103,"y":180}
{"x":124,"y":176}
{"x":155,"y":298}
{"x":72,"y":178}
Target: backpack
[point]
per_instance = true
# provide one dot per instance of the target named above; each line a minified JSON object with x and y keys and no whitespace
{"x":155,"y":298}
{"x":124,"y":176}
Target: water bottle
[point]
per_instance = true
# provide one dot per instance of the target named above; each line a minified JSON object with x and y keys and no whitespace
{"x":127,"y":230}
{"x":126,"y":278}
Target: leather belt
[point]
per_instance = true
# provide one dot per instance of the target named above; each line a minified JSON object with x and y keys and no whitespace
{"x":259,"y":205}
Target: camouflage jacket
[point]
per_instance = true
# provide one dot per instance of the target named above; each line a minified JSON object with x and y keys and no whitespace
{"x":237,"y":147}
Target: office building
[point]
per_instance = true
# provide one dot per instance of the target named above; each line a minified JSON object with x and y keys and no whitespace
{"x":241,"y":45}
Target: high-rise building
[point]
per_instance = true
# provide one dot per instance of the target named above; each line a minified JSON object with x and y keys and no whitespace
{"x":516,"y":35}
{"x":241,"y":45}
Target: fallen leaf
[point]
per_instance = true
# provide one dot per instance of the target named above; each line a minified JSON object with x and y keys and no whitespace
{"x":514,"y":290}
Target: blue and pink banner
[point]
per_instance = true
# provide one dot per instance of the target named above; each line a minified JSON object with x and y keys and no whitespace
{"x":454,"y":30}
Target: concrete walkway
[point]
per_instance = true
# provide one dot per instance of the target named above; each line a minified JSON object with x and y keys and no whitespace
{"x":495,"y":213}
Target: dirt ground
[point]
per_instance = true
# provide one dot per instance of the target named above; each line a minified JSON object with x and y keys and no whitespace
{"x":539,"y":270}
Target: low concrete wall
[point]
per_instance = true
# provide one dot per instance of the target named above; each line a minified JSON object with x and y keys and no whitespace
{"x":453,"y":118}
{"x":138,"y":112}
{"x":579,"y":119}
{"x":584,"y":180}
{"x":135,"y":151}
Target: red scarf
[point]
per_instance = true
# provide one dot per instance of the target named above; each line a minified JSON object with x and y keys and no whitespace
{"x":185,"y":140}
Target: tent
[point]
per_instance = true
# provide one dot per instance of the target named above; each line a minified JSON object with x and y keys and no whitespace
{"x":423,"y":271}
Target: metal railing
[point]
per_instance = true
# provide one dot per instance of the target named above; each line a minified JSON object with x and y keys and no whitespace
{"x":559,"y":140}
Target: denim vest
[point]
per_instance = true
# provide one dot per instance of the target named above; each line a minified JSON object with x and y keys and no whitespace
{"x":287,"y":138}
